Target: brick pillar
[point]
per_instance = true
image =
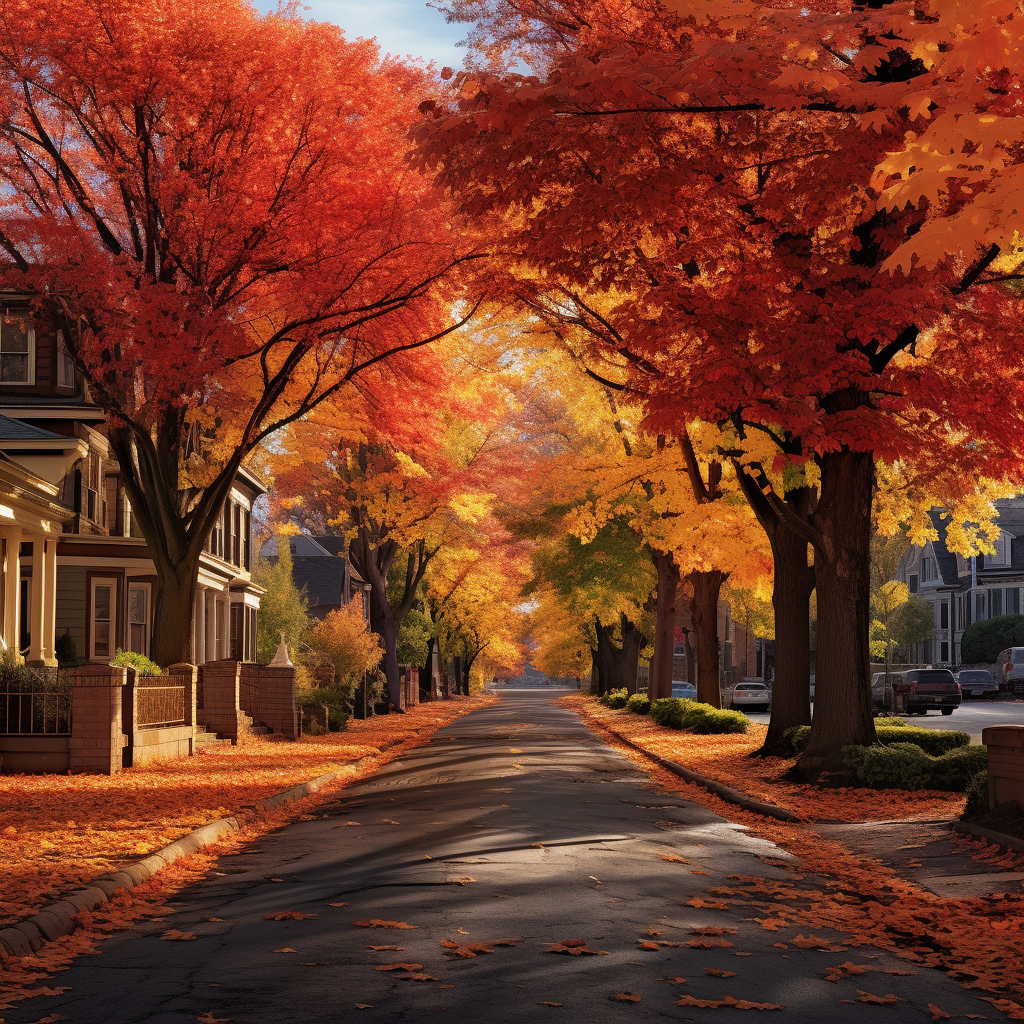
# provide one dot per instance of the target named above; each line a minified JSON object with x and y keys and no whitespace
{"x":275,"y":686}
{"x":189,"y":674}
{"x":221,"y":711}
{"x":97,"y":737}
{"x":1005,"y":763}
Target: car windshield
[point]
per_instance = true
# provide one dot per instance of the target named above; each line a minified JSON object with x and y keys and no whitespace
{"x":940,"y":676}
{"x":977,"y":676}
{"x":1018,"y":656}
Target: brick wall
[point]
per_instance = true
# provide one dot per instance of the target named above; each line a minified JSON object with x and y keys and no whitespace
{"x":221,"y":712}
{"x":269,"y":697}
{"x":97,"y":736}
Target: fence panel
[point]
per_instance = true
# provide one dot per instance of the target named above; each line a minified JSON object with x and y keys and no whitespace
{"x":35,"y":702}
{"x":160,"y":701}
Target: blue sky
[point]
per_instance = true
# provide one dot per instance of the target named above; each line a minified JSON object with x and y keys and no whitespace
{"x":401,"y":27}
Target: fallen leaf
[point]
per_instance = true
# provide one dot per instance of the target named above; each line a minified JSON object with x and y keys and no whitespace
{"x":514,"y":750}
{"x":54,"y":1017}
{"x":811,"y":942}
{"x":845,"y":970}
{"x":389,"y":821}
{"x":675,"y":860}
{"x":712,"y":931}
{"x":870,"y":997}
{"x":338,"y":904}
{"x":714,"y":972}
{"x":705,"y":943}
{"x":574,"y":947}
{"x":418,"y":977}
{"x":289,"y":915}
{"x":674,"y":981}
{"x":175,"y":936}
{"x":593,"y":879}
{"x":203,"y":1018}
{"x":285,"y":949}
{"x":736,"y":1004}
{"x":376,"y":922}
{"x":212,"y":919}
{"x":549,"y":1004}
{"x":701,"y":903}
{"x":652,"y":946}
{"x":625,"y":997}
{"x":465,"y":880}
{"x":397,"y":949}
{"x":938,"y":1014}
{"x":400,"y":967}
{"x":472,"y":949}
{"x":364,"y":1006}
{"x":275,"y":879}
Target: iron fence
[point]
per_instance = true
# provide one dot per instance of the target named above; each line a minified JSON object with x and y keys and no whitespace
{"x":159,"y":702}
{"x":35,"y":702}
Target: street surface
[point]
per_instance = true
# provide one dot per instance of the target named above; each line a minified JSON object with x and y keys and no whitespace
{"x":971,"y":717}
{"x":515,"y":822}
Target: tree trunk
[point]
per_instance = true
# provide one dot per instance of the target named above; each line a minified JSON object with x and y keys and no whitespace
{"x":385,"y":625}
{"x":460,"y":691}
{"x":618,"y":664}
{"x":595,"y":673}
{"x":791,"y":597}
{"x":426,"y":679}
{"x":664,"y":627}
{"x":704,"y":612}
{"x":842,"y":698}
{"x":173,"y":612}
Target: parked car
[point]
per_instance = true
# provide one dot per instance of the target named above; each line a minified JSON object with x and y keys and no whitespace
{"x":882,"y":691}
{"x":927,"y":688}
{"x":681,"y":688}
{"x":977,"y":682}
{"x":749,"y":696}
{"x":1011,"y":668}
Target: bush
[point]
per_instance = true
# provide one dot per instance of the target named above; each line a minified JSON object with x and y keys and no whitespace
{"x":615,"y":698}
{"x":932,"y":741}
{"x":796,"y":736}
{"x":142,"y":665}
{"x":668,"y":711}
{"x":977,"y":796}
{"x":706,"y":720}
{"x":896,"y":766}
{"x":957,"y":768}
{"x":891,"y":723}
{"x":338,"y":708}
{"x":639,"y":703}
{"x":983,"y":641}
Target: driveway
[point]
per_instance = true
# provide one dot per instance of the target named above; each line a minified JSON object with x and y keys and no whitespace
{"x":517,"y":823}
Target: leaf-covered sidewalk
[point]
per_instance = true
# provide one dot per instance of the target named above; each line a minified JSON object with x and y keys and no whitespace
{"x":727,"y":759}
{"x":59,"y":831}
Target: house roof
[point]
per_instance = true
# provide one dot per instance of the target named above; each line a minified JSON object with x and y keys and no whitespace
{"x":335,"y":545}
{"x":300,"y":545}
{"x":944,"y":559}
{"x":18,"y":430}
{"x":321,"y":577}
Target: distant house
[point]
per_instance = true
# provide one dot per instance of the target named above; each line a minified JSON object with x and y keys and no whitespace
{"x":322,"y":572}
{"x":965,"y":590}
{"x":74,"y":562}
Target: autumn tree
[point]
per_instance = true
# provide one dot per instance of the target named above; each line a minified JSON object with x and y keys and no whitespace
{"x":213,"y":208}
{"x":723,"y":188}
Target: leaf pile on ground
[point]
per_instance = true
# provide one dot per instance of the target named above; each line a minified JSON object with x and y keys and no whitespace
{"x":970,"y":939}
{"x":727,"y":759}
{"x":59,"y":831}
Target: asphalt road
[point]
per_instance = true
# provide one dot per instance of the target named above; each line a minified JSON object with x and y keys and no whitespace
{"x":972,"y":716}
{"x":563,"y":839}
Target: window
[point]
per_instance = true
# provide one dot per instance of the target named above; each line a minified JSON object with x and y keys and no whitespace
{"x":17,"y":348}
{"x":979,"y":606}
{"x":995,"y":603}
{"x":1012,"y":601}
{"x":912,"y":583}
{"x":927,"y":569}
{"x":236,"y":535}
{"x":102,"y":642}
{"x":944,"y":651}
{"x":65,"y":364}
{"x":138,"y":617}
{"x":944,"y":615}
{"x":247,"y":539}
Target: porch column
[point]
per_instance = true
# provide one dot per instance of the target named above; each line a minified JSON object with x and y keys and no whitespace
{"x":38,"y":600}
{"x":12,"y":589}
{"x":199,"y":628}
{"x":50,"y":601}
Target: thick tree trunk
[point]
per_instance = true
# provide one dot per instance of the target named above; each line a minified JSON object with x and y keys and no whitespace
{"x":426,"y":679}
{"x":173,"y":612}
{"x":384,"y":624}
{"x":704,"y":613}
{"x":842,"y":698}
{"x":791,"y":597}
{"x":460,"y":691}
{"x":595,"y":673}
{"x":618,"y":663}
{"x":664,"y":626}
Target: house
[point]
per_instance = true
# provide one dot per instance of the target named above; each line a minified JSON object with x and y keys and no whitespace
{"x":965,"y":590}
{"x":84,"y":572}
{"x":322,"y":572}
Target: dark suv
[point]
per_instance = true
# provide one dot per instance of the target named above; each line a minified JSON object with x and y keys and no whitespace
{"x":927,"y":688}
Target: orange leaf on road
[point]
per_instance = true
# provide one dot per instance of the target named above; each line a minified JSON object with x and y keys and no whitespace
{"x":736,"y":1004}
{"x":938,"y":1014}
{"x":376,"y":922}
{"x":714,"y":972}
{"x":625,"y":997}
{"x":400,"y":967}
{"x":289,"y":915}
{"x":870,"y":997}
{"x":175,"y":936}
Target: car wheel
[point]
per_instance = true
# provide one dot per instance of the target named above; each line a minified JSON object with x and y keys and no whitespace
{"x":947,"y":711}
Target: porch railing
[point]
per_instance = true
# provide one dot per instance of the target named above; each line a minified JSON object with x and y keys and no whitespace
{"x":35,"y":702}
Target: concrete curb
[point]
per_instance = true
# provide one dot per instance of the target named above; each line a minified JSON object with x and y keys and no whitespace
{"x":1017,"y":845}
{"x":60,"y":918}
{"x":727,"y":793}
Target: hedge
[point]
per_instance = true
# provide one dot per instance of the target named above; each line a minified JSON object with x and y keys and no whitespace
{"x":681,"y":713}
{"x":977,"y":796}
{"x":639,"y":703}
{"x":983,"y":641}
{"x":615,"y":698}
{"x":907,"y":766}
{"x":893,"y":730}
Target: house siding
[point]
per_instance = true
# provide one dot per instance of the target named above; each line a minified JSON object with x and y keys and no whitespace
{"x":71,"y":604}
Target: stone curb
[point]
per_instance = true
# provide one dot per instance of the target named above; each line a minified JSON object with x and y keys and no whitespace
{"x":727,"y":793}
{"x":60,"y":918}
{"x":1017,"y":845}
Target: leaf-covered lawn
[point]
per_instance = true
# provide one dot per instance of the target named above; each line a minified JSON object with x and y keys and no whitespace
{"x":59,"y":831}
{"x":727,"y":759}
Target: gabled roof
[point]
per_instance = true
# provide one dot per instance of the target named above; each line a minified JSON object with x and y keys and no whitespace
{"x":321,"y":577}
{"x":335,"y":545}
{"x":300,"y":545}
{"x":18,"y":430}
{"x":945,"y":560}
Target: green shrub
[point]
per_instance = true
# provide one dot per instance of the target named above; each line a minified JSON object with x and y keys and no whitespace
{"x":639,"y":703}
{"x":983,"y":641}
{"x":707,"y":720}
{"x":891,"y":723}
{"x":932,"y":741}
{"x":956,"y":769}
{"x":668,"y":711}
{"x":615,"y":698}
{"x":896,"y":766}
{"x":338,"y":707}
{"x":142,"y":665}
{"x":977,"y":796}
{"x":796,"y":736}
